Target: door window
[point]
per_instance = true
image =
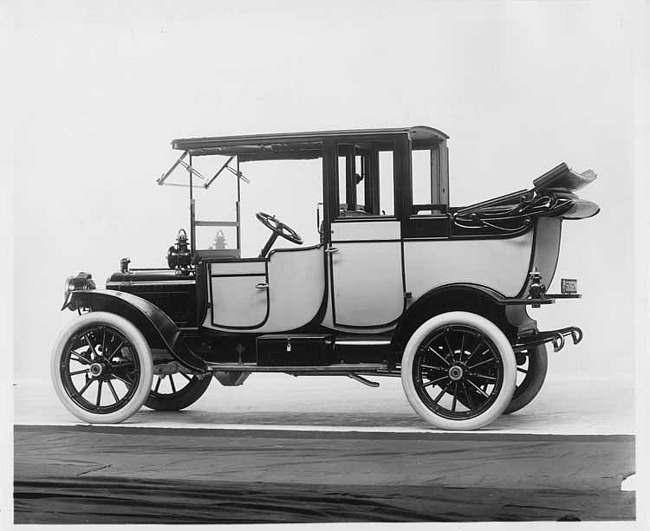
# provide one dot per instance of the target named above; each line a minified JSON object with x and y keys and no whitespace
{"x":365,"y":181}
{"x":428,"y":171}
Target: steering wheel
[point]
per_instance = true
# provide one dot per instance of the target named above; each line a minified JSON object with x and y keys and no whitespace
{"x":278,"y":229}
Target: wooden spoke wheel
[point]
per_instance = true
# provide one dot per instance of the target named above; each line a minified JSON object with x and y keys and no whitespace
{"x":458,"y":371}
{"x":173,"y":392}
{"x":102,"y":368}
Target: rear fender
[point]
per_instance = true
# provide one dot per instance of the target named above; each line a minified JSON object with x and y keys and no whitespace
{"x":157,"y":327}
{"x":452,"y":297}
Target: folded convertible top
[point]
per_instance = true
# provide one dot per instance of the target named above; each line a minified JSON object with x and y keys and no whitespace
{"x":563,"y":178}
{"x":552,"y":196}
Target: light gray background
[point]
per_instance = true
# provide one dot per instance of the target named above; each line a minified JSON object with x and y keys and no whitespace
{"x":519,"y":87}
{"x":95,"y":91}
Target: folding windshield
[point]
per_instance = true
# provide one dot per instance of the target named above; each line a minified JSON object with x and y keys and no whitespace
{"x":221,"y":176}
{"x":279,"y":179}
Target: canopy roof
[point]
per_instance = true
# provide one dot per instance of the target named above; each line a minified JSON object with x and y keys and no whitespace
{"x":300,"y":145}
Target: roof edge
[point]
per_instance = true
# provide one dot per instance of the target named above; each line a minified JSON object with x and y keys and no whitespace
{"x":419,"y":132}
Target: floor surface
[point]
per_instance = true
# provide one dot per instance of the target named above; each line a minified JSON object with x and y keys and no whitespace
{"x":281,"y":449}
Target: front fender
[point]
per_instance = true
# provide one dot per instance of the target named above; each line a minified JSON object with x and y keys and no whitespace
{"x":158,"y":328}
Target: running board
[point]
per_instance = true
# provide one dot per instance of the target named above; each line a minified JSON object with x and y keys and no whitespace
{"x":335,"y":369}
{"x":362,"y":342}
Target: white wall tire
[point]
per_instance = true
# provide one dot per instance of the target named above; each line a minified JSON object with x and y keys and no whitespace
{"x":459,"y":371}
{"x":102,"y":368}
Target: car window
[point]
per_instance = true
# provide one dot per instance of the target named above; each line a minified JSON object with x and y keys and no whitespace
{"x":365,"y":181}
{"x":428,"y":199}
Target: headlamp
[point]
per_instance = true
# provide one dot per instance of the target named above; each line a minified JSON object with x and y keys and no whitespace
{"x":83,"y":281}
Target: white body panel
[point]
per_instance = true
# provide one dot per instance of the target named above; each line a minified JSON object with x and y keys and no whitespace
{"x":296,"y":280}
{"x":366,"y":276}
{"x":257,"y":267}
{"x":500,"y":264}
{"x":296,"y":288}
{"x":367,"y":283}
{"x":367,"y":279}
{"x":365,"y":230}
{"x":328,"y":322}
{"x":236,"y":301}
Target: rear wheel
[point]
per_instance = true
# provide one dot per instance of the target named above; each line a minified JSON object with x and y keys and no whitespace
{"x":173,"y":392}
{"x":102,"y":368}
{"x":531,"y":372}
{"x":458,"y":371}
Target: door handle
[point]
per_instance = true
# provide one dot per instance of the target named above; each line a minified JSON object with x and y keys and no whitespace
{"x":262,"y":285}
{"x":331,"y":250}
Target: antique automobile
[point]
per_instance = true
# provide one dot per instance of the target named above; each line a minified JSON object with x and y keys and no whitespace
{"x":398,"y":284}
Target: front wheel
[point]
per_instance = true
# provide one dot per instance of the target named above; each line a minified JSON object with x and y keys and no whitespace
{"x":458,"y":371}
{"x":102,"y":368}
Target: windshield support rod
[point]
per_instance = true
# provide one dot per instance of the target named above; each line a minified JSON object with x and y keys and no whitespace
{"x":164,"y":176}
{"x":219,"y":172}
{"x":238,"y":174}
{"x":180,"y":162}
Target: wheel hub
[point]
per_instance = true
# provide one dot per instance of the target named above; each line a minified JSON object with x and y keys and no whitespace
{"x":96,"y":369}
{"x":456,"y":372}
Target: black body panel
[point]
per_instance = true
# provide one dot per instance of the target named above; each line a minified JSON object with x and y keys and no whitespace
{"x":297,"y":349}
{"x":157,"y":327}
{"x":174,"y":294}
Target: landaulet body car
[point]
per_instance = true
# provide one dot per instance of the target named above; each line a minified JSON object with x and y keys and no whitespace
{"x":399,"y":284}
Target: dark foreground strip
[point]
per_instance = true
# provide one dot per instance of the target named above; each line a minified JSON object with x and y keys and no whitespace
{"x":108,"y":501}
{"x":107,"y":475}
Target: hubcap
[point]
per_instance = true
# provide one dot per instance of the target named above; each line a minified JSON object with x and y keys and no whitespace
{"x":96,"y":369}
{"x":455,"y":373}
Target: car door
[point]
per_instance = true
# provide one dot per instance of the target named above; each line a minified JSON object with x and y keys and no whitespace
{"x":365,"y":248}
{"x":366,"y":273}
{"x":238,"y":296}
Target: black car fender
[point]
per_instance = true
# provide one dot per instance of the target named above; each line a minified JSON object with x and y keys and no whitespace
{"x":157,"y":327}
{"x":473,"y":298}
